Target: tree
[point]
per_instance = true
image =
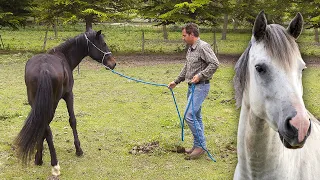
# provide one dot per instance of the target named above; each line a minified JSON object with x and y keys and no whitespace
{"x":156,"y":10}
{"x":14,"y":13}
{"x":310,"y":10}
{"x":47,"y":13}
{"x":167,"y":12}
{"x":94,"y":11}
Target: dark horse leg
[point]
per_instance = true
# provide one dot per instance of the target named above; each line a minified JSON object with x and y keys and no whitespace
{"x":38,"y":156}
{"x":73,"y":122}
{"x":54,"y":160}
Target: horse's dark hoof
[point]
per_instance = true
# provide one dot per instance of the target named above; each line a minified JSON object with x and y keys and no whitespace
{"x":38,"y":163}
{"x":79,"y":153}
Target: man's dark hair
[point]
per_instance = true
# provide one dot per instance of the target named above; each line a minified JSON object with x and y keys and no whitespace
{"x":192,"y":28}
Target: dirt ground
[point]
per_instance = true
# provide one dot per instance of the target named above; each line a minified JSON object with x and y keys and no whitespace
{"x":153,"y":59}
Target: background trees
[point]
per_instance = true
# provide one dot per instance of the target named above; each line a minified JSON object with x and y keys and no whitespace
{"x":14,"y":13}
{"x":214,"y":13}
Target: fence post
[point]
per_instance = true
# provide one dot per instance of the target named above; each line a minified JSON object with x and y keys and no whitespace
{"x":143,"y":40}
{"x":45,"y":39}
{"x":215,"y":47}
{"x":1,"y":41}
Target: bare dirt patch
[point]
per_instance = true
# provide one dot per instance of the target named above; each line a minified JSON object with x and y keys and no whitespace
{"x":155,"y":59}
{"x":153,"y":147}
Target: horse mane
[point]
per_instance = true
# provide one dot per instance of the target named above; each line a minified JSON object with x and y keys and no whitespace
{"x":278,"y":43}
{"x":79,"y":39}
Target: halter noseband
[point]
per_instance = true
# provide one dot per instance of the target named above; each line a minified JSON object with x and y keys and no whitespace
{"x":104,"y":53}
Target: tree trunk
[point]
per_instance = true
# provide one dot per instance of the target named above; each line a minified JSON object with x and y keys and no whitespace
{"x":316,"y":35}
{"x":165,"y":32}
{"x":225,"y":26}
{"x":45,"y":39}
{"x":55,"y":28}
{"x":215,"y":47}
{"x":235,"y":25}
{"x":143,"y":41}
{"x":235,"y":16}
{"x":89,"y":21}
{"x":1,"y":42}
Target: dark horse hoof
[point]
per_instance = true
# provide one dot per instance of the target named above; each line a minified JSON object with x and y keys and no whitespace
{"x":79,"y":152}
{"x":38,"y":163}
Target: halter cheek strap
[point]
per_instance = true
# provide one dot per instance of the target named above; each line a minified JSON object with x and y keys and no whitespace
{"x":104,"y":53}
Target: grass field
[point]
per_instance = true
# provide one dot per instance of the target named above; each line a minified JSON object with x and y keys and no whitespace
{"x":114,"y":115}
{"x":128,"y":39}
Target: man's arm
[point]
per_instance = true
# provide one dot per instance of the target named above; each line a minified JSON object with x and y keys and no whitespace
{"x":182,"y":74}
{"x":210,"y":58}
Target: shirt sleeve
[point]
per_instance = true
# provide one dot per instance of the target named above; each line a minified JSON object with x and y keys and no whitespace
{"x":182,"y":74}
{"x":208,"y":56}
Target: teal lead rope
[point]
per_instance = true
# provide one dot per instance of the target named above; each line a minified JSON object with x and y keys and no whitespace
{"x":176,"y":105}
{"x":156,"y":84}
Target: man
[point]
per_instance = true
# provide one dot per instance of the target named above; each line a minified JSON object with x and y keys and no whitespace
{"x":199,"y":68}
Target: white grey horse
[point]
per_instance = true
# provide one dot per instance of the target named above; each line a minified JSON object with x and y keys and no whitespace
{"x":278,"y":139}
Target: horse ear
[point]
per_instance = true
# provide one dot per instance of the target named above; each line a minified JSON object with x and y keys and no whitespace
{"x":98,"y":34}
{"x":260,"y":26}
{"x":295,"y":26}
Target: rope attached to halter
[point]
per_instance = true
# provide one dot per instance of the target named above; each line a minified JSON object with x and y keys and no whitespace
{"x":154,"y":84}
{"x":190,"y":103}
{"x":172,"y":93}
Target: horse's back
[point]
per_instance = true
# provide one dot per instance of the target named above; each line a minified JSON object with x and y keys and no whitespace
{"x":54,"y":66}
{"x":43,"y":62}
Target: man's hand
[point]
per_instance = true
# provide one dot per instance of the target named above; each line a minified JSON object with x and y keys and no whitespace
{"x":172,"y":85}
{"x":195,"y":79}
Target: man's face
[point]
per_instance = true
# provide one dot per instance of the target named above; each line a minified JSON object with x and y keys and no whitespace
{"x":188,"y":38}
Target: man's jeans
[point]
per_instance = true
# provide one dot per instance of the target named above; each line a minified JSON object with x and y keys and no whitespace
{"x":196,"y":126}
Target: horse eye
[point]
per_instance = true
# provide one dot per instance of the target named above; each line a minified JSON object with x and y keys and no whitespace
{"x":260,"y":68}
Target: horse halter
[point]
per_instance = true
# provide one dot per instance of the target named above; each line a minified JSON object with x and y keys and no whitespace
{"x":104,"y":53}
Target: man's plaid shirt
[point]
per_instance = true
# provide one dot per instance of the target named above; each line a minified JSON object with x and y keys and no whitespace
{"x":201,"y":60}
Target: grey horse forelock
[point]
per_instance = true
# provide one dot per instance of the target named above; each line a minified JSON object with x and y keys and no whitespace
{"x":240,"y":78}
{"x":278,"y":43}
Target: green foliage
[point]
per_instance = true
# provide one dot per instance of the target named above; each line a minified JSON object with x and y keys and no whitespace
{"x":14,"y":13}
{"x":127,"y":39}
{"x":310,"y":11}
{"x":169,"y":12}
{"x":46,"y":12}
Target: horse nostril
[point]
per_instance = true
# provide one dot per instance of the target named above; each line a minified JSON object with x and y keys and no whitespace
{"x":290,"y":130}
{"x":309,"y":130}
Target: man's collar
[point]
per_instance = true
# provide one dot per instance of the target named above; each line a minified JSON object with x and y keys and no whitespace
{"x":194,"y":46}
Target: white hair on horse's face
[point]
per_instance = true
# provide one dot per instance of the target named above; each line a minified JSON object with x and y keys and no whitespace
{"x":278,"y":46}
{"x":273,"y":82}
{"x":269,"y":78}
{"x":268,"y":87}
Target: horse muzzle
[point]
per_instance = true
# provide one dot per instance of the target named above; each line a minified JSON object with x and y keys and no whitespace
{"x":111,"y":63}
{"x":289,"y":136}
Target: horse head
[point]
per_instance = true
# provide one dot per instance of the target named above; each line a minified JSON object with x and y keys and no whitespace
{"x":98,"y":49}
{"x":269,"y":76}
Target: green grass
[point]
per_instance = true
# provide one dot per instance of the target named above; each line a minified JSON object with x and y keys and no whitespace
{"x":115,"y":114}
{"x":128,"y":39}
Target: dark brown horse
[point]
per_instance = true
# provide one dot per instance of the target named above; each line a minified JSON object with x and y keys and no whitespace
{"x":49,"y":78}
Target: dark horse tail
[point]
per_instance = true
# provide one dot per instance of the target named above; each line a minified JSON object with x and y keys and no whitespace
{"x":38,"y":119}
